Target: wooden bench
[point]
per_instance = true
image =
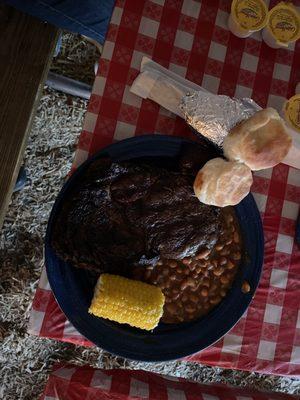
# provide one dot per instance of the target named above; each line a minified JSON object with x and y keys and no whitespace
{"x":26,"y":50}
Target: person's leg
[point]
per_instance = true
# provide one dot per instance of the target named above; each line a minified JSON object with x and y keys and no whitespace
{"x":21,"y":180}
{"x":87,"y":17}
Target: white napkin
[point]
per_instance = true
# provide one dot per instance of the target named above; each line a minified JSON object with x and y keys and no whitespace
{"x":167,"y":89}
{"x":162,"y":86}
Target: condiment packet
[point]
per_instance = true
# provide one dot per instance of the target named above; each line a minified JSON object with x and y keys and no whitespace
{"x":283,"y":26}
{"x":211,"y":115}
{"x":247,"y":16}
{"x":292,"y":112}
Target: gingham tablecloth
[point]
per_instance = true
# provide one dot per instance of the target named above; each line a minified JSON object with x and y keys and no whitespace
{"x":72,"y":383}
{"x":191,"y":38}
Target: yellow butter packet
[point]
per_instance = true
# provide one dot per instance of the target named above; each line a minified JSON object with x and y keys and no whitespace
{"x":292,"y":112}
{"x":250,"y":15}
{"x":284,"y":23}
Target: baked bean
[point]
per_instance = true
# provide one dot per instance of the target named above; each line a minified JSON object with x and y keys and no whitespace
{"x":246,"y":287}
{"x":165,"y":272}
{"x":230,"y":265}
{"x":190,"y":308}
{"x":173,"y":277}
{"x":171,"y":308}
{"x":194,"y":298}
{"x":194,"y":288}
{"x":205,"y":272}
{"x":184,"y":298}
{"x":183,"y":285}
{"x":215,"y":300}
{"x":210,"y":267}
{"x":202,"y":254}
{"x":206,"y":282}
{"x":223,"y":292}
{"x":225,"y":252}
{"x":179,"y":270}
{"x":192,"y":283}
{"x":219,"y":246}
{"x":175,"y":296}
{"x":223,"y":237}
{"x":192,"y":266}
{"x":228,"y":241}
{"x":186,"y":271}
{"x":224,"y":279}
{"x":213,"y":287}
{"x":160,"y":262}
{"x":186,"y":261}
{"x":218,"y":271}
{"x":168,"y":284}
{"x":236,"y":256}
{"x":198,"y":269}
{"x":223,"y":260}
{"x":195,"y":275}
{"x":236,"y":237}
{"x":173,"y":264}
{"x":204,"y":292}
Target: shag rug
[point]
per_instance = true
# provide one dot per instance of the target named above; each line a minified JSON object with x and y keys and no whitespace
{"x":25,"y":361}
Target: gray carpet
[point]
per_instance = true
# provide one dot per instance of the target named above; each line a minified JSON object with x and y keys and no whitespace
{"x":25,"y":361}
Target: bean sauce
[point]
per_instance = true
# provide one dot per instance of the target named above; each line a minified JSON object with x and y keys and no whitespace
{"x":195,"y":285}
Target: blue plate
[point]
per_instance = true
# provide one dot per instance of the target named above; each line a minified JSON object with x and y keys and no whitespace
{"x":73,"y":288}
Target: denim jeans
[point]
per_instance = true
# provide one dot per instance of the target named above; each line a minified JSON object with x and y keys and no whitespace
{"x":87,"y":17}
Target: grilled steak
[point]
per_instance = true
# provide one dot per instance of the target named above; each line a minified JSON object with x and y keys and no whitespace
{"x":125,"y":214}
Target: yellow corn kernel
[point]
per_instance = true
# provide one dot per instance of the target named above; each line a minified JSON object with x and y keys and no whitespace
{"x":127,"y":301}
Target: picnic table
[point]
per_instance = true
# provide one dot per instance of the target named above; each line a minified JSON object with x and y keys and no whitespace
{"x":191,"y":38}
{"x":26,"y":49}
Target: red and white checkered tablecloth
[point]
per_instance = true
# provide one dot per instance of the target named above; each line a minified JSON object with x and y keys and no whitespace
{"x":191,"y":38}
{"x":70,"y":382}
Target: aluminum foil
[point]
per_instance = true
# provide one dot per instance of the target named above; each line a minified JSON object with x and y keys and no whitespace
{"x":213,"y":116}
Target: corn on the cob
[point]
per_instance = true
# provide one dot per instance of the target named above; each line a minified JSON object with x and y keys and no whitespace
{"x":127,"y":301}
